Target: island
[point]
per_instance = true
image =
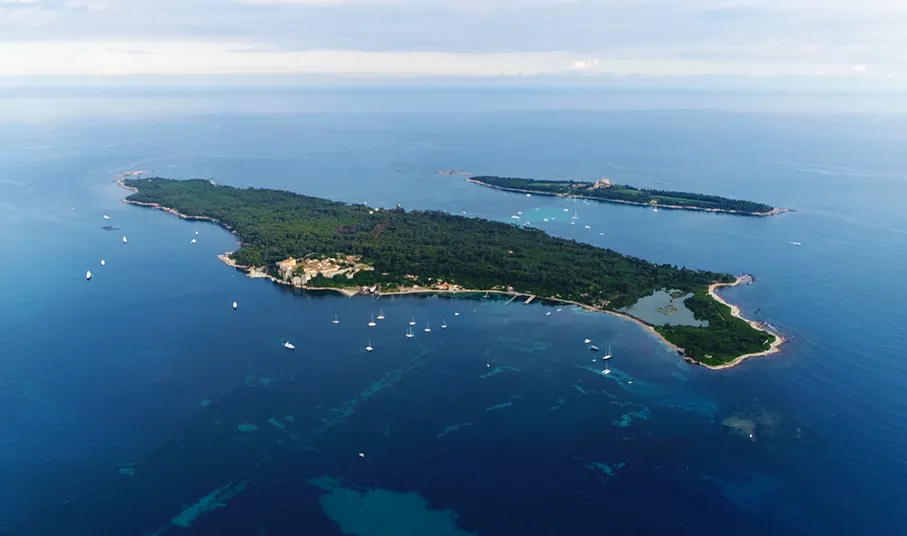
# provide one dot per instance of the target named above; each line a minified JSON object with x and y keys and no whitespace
{"x":314,"y":243}
{"x":604,"y":190}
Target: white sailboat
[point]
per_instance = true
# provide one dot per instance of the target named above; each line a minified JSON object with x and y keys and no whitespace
{"x":566,"y":210}
{"x":575,"y":215}
{"x":196,"y":233}
{"x":102,"y":262}
{"x":380,"y":314}
{"x":409,"y":333}
{"x":371,"y":323}
{"x":235,"y":305}
{"x":88,"y":275}
{"x":106,"y":217}
{"x":427,"y":328}
{"x":587,"y":341}
{"x":588,"y":227}
{"x":336,"y":320}
{"x":288,"y":346}
{"x":412,"y":322}
{"x":193,"y":241}
{"x":456,"y":314}
{"x":124,"y":239}
{"x":444,"y":324}
{"x":369,"y":347}
{"x":607,"y":359}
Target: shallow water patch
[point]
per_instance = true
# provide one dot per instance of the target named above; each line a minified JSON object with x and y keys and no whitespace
{"x":381,"y":512}
{"x":606,"y":469}
{"x":452,"y":428}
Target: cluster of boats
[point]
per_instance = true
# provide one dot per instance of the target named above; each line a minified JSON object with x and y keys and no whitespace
{"x":605,"y":358}
{"x":89,"y":275}
{"x":371,"y":323}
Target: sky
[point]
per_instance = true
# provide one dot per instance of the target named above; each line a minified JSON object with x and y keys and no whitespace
{"x":834,"y":44}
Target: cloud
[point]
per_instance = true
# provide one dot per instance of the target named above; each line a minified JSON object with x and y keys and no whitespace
{"x":579,"y":38}
{"x":581,"y":65}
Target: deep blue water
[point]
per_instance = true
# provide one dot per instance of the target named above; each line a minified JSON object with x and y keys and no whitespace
{"x":127,"y":400}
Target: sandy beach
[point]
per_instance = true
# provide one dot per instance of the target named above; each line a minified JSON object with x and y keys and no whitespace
{"x":773,"y":348}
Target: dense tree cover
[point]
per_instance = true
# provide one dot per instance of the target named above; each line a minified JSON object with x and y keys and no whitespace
{"x":476,"y":254}
{"x":624,"y":193}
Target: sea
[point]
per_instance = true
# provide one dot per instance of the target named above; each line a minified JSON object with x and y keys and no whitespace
{"x":140,"y":403}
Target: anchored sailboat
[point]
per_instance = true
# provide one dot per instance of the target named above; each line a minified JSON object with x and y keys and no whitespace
{"x":380,"y":314}
{"x":412,"y":322}
{"x":409,"y":333}
{"x":607,"y":359}
{"x":427,"y":328}
{"x":369,"y":347}
{"x":371,"y":323}
{"x":336,"y":320}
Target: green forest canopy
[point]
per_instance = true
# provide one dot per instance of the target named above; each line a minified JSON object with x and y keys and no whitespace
{"x":624,"y":193}
{"x":274,"y":225}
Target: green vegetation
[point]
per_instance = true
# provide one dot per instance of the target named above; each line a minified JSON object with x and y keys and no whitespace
{"x":726,"y":337}
{"x":425,"y":248}
{"x":618,"y":193}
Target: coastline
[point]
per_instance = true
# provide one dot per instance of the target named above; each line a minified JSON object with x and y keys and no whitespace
{"x":255,"y":272}
{"x":587,"y":307}
{"x":773,"y":212}
{"x":773,"y":348}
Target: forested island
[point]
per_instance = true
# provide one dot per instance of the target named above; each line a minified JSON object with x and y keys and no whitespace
{"x":318,"y":243}
{"x":605,"y":191}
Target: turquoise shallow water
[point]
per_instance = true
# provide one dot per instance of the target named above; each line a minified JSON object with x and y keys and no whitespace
{"x":140,"y":403}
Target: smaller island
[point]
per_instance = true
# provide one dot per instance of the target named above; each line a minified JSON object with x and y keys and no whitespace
{"x":604,"y":190}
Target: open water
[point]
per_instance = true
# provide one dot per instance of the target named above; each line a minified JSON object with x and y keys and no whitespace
{"x":139,"y":403}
